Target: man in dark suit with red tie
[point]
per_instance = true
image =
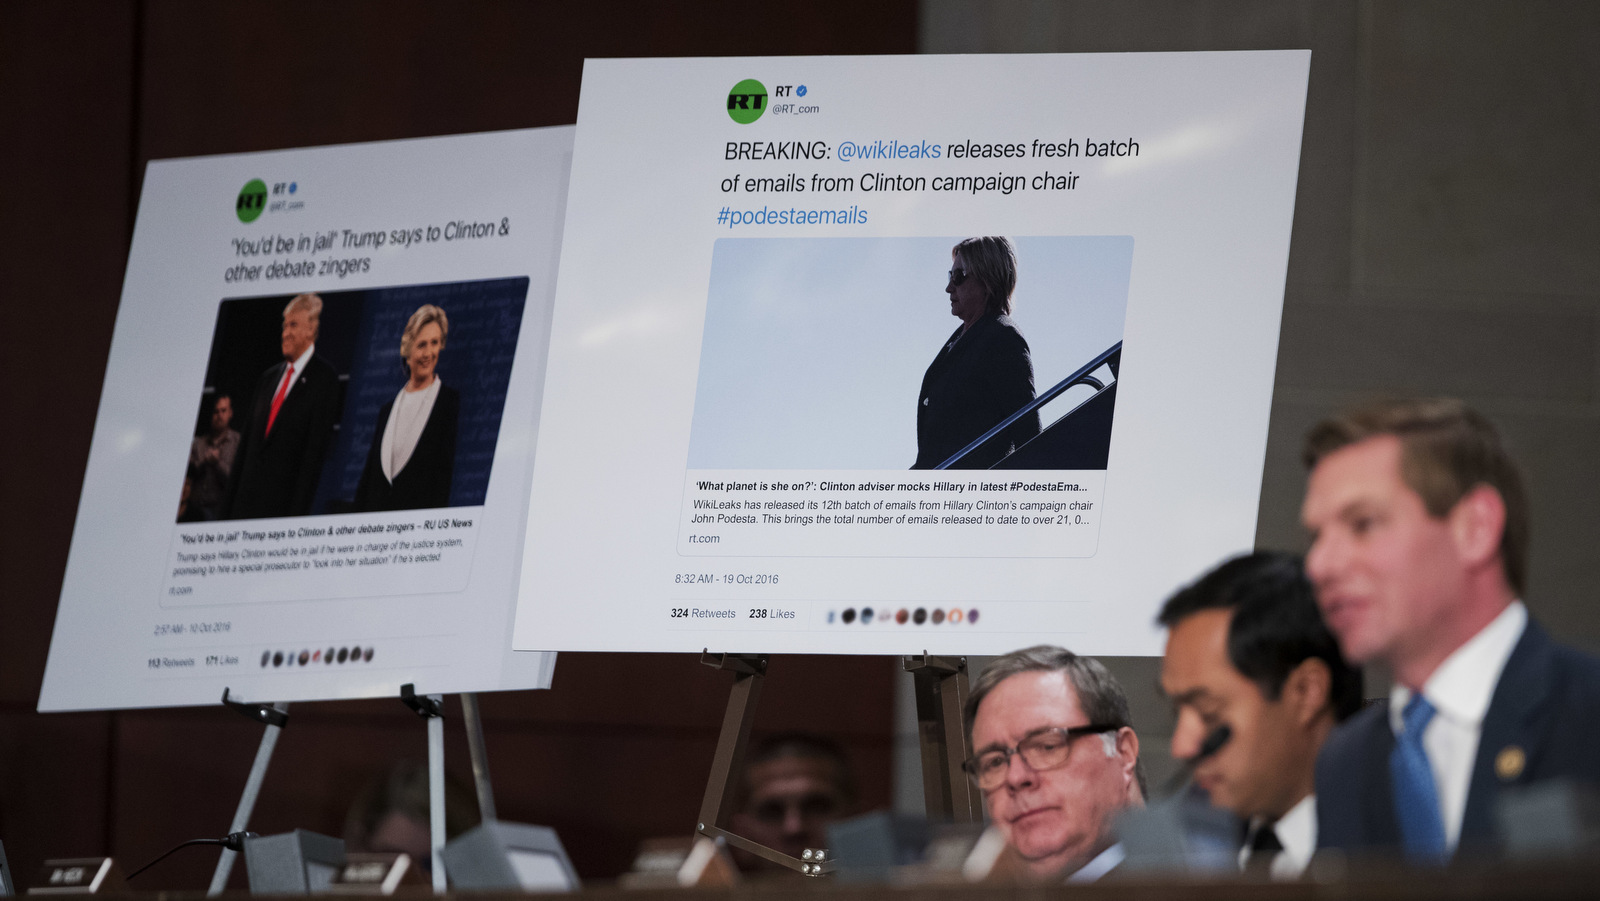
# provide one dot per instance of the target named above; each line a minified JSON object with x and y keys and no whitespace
{"x":1419,"y":558}
{"x":295,"y":405}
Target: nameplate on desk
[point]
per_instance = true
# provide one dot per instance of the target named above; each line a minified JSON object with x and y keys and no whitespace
{"x":77,"y":876}
{"x":375,"y":874}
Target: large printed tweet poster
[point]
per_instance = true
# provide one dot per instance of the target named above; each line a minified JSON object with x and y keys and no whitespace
{"x":885,"y":355}
{"x":309,"y":474}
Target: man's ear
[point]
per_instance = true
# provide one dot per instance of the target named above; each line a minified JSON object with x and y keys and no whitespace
{"x":1128,"y":751}
{"x":1307,"y":690}
{"x":1477,"y":523}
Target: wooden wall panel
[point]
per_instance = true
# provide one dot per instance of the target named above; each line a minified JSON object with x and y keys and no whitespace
{"x":89,"y":92}
{"x":228,"y":77}
{"x":65,"y":160}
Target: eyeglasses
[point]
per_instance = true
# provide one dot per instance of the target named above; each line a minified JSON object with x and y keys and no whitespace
{"x":1043,"y":749}
{"x":958,"y":275}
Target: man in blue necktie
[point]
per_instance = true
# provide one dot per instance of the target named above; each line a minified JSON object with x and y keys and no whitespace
{"x":1419,"y":527}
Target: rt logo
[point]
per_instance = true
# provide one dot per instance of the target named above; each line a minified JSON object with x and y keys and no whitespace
{"x":252,"y":200}
{"x":747,"y":101}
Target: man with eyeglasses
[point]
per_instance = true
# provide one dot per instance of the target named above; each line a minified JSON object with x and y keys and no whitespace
{"x":1056,"y":758}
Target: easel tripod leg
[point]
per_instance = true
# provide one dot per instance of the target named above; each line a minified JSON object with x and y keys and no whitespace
{"x":480,"y":755}
{"x":247,"y":804}
{"x":436,"y":797}
{"x":941,"y":690}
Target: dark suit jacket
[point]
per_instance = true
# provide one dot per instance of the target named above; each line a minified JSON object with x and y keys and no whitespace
{"x":278,"y":473}
{"x":971,"y":388}
{"x":425,"y":479}
{"x":1547,"y":704}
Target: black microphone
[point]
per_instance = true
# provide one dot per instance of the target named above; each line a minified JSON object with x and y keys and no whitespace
{"x":233,"y":841}
{"x":1213,"y":743}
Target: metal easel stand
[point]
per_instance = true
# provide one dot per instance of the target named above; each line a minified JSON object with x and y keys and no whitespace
{"x":941,"y":690}
{"x":941,"y":686}
{"x":275,"y":717}
{"x":727,"y":765}
{"x":431,"y":708}
{"x":480,"y":756}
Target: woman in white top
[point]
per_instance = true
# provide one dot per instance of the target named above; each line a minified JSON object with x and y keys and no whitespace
{"x":413,"y":451}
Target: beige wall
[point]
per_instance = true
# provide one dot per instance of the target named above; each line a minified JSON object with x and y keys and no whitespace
{"x":1446,"y":234}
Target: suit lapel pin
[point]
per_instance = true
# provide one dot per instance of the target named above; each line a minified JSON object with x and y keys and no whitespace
{"x":1509,"y":762}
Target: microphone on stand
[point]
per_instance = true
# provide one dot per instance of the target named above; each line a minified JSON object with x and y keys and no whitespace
{"x":1213,"y":743}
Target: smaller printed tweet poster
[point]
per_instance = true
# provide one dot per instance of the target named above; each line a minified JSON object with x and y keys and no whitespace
{"x":309,"y":474}
{"x":887,"y":355}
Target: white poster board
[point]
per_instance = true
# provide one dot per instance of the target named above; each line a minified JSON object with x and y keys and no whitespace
{"x":752,"y":308}
{"x":328,"y":532}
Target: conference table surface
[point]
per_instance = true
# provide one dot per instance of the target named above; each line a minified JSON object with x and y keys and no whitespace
{"x":1559,"y":880}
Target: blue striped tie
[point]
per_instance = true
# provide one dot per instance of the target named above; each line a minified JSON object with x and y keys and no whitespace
{"x":1416,"y":801}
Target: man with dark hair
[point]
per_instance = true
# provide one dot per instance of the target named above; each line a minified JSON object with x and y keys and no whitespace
{"x":392,"y":813}
{"x":794,"y":785}
{"x":1249,"y":657}
{"x":1056,"y":758}
{"x":1419,"y":527}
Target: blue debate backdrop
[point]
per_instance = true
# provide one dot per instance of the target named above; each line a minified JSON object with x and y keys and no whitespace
{"x":359,"y":336}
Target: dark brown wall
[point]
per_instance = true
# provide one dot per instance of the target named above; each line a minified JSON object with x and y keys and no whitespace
{"x":91,"y":91}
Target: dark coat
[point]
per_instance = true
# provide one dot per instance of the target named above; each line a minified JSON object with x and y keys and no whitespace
{"x":972,"y":387}
{"x":1546,"y":705}
{"x":425,"y":479}
{"x":277,"y":474}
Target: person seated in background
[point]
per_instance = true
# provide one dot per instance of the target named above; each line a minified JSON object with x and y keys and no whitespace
{"x":1249,"y":657}
{"x":794,"y":785}
{"x":391,"y":813}
{"x":211,"y":462}
{"x":1419,"y":557}
{"x":1056,"y":758}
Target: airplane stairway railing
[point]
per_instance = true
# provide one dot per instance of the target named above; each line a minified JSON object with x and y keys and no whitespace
{"x":1084,"y":375}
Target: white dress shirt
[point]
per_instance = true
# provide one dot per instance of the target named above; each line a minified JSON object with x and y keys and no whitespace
{"x":407,"y":416}
{"x":1460,"y":690}
{"x":1103,"y":863}
{"x":299,"y":364}
{"x":1297,"y":832}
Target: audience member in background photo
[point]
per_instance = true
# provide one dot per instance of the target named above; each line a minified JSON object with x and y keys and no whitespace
{"x":211,"y":459}
{"x":1056,"y":757}
{"x":391,"y":813}
{"x":293,"y":410}
{"x":794,"y":785}
{"x":1247,"y":652}
{"x":1419,"y":557}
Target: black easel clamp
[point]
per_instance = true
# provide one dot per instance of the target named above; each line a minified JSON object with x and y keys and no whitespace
{"x":422,"y":705}
{"x":743,"y":664}
{"x":934,"y":666}
{"x":260,"y":713}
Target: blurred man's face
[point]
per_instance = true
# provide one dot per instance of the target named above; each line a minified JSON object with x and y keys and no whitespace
{"x":791,"y":802}
{"x":298,"y":333}
{"x":1059,"y":817}
{"x":221,"y":415}
{"x":1262,"y":769}
{"x":1386,"y":571}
